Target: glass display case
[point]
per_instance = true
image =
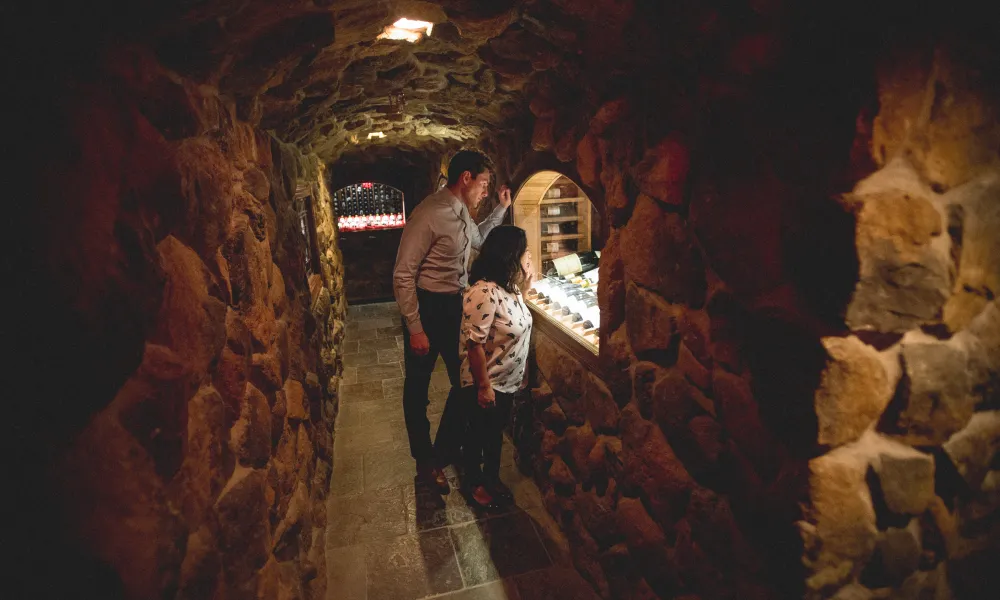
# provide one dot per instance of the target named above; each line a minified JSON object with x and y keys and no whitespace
{"x":570,"y":302}
{"x":369,"y":206}
{"x":557,"y":217}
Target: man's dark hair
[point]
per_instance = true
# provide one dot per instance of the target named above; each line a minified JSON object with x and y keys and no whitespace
{"x":499,"y":259}
{"x":468,"y":160}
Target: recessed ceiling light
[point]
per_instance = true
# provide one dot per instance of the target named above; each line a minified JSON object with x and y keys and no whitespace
{"x":376,"y":134}
{"x":406,"y":29}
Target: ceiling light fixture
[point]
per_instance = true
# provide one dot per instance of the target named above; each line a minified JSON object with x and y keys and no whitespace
{"x":376,"y":134}
{"x":406,"y":29}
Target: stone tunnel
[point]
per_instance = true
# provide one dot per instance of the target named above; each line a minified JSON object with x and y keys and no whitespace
{"x":792,"y":389}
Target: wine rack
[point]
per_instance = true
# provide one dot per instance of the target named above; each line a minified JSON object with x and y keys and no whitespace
{"x":369,"y":206}
{"x":556,"y":215}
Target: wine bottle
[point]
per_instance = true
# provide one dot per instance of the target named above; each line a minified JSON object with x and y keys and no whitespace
{"x":575,"y":263}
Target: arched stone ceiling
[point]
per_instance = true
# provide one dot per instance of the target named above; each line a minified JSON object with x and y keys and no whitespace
{"x":313,"y":71}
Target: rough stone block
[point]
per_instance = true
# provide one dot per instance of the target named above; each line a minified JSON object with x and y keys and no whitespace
{"x":244,"y":530}
{"x":295,"y":400}
{"x":611,"y":292}
{"x":739,"y":415}
{"x":974,"y":448}
{"x":608,"y":114}
{"x":978,"y":249}
{"x":982,"y":343}
{"x":649,"y":464}
{"x":959,"y":138}
{"x":844,"y":518}
{"x":898,"y":297}
{"x":554,"y":418}
{"x":588,"y":160}
{"x":675,"y":402}
{"x":250,"y":437}
{"x":191,"y":322}
{"x":598,"y":514}
{"x":561,"y":371}
{"x":617,"y":358}
{"x":934,"y":399}
{"x":204,"y":471}
{"x":707,"y":435}
{"x":693,"y":369}
{"x":906,"y":478}
{"x":647,"y":545}
{"x":543,"y":136}
{"x":701,"y":573}
{"x":602,"y":460}
{"x":599,"y":406}
{"x":899,"y":550}
{"x":906,"y":221}
{"x":644,"y":377}
{"x":659,"y":254}
{"x":714,"y":529}
{"x":208,"y":186}
{"x":694,"y":327}
{"x":580,"y":441}
{"x":650,"y":320}
{"x":854,"y":389}
{"x":265,"y":372}
{"x":663,"y":170}
{"x":562,"y":476}
{"x":199,"y":574}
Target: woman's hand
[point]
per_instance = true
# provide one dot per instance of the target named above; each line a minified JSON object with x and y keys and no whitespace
{"x":529,"y":272}
{"x":486,"y":396}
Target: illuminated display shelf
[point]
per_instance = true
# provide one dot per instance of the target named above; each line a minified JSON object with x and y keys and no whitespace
{"x":552,"y":303}
{"x":369,"y":206}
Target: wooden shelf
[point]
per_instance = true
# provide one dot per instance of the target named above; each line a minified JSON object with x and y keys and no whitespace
{"x":563,"y":236}
{"x":562,"y":200}
{"x":562,"y":219}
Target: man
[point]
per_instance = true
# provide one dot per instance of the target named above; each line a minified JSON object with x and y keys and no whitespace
{"x":428,"y":281}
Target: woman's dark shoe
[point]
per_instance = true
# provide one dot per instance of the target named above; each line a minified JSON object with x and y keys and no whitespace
{"x":500,"y":492}
{"x":435,"y":478}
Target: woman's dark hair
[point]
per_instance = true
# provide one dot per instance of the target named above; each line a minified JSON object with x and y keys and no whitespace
{"x":499,"y":259}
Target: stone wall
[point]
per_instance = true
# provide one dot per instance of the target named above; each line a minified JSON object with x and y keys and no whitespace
{"x":905,"y":501}
{"x":189,"y":453}
{"x":799,"y":324}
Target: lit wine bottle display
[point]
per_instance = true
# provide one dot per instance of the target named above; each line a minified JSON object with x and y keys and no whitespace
{"x":365,"y":206}
{"x":574,"y":263}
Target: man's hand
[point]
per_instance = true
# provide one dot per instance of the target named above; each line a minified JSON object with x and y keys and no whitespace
{"x":486,"y":396}
{"x":419,"y":343}
{"x":504,"y":194}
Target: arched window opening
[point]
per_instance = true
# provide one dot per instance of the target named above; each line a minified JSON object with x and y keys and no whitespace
{"x":558,"y":218}
{"x":368,"y":206}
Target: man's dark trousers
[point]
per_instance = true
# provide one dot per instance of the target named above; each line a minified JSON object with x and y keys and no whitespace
{"x":441,"y":317}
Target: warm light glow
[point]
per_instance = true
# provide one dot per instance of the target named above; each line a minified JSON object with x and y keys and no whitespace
{"x":376,"y":134}
{"x":406,"y":29}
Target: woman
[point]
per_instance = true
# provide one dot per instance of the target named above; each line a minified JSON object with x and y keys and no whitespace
{"x":496,"y":329}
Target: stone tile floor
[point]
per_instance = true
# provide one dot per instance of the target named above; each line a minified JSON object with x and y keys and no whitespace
{"x":388,"y":538}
